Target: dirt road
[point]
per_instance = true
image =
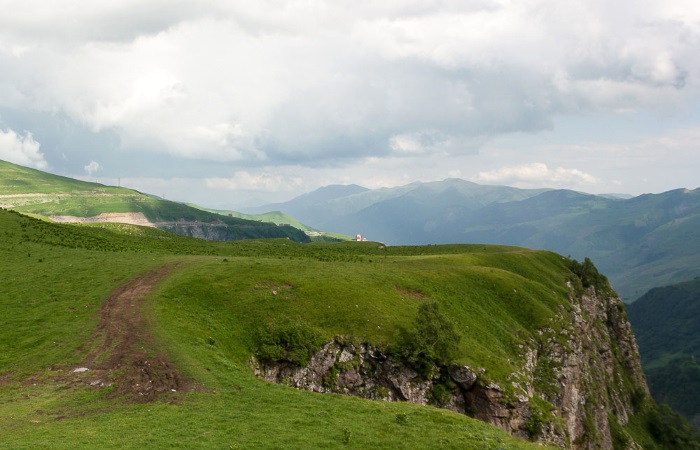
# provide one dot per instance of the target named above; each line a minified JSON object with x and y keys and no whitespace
{"x":121,"y":351}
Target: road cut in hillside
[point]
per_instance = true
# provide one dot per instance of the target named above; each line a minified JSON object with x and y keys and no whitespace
{"x":128,"y":218}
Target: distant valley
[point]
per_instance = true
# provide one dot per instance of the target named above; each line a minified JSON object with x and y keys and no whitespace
{"x":666,"y":321}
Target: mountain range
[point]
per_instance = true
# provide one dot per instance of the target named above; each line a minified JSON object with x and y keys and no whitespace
{"x":640,"y":242}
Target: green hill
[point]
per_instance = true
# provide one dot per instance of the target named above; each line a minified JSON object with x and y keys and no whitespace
{"x":33,"y":191}
{"x":122,"y":336}
{"x":666,"y":321}
{"x":281,"y":219}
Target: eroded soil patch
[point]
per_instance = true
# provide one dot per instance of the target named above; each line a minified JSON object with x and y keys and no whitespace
{"x":415,"y":295}
{"x":122,"y":353}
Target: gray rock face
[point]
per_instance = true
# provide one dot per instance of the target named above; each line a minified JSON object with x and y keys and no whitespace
{"x":584,"y":371}
{"x":346,"y":368}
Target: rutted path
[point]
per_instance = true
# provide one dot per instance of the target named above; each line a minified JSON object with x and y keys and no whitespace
{"x":121,"y":351}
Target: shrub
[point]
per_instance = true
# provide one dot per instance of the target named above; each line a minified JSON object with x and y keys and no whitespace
{"x":402,"y":418}
{"x":534,"y":424}
{"x":433,"y":338}
{"x":440,"y":394}
{"x":292,"y":340}
{"x":620,"y":439}
{"x":588,"y":273}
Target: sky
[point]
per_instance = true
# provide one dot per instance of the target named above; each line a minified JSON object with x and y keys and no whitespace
{"x":238,"y":103}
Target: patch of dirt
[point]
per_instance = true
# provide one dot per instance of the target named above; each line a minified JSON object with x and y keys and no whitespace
{"x":128,"y":218}
{"x":416,"y":295}
{"x":122,"y":353}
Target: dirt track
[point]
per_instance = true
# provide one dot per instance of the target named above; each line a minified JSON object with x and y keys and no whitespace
{"x":121,"y":352}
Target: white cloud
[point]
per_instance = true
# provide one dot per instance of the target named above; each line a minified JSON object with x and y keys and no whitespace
{"x":93,"y":167}
{"x":247,"y":181}
{"x":320,"y":80}
{"x":374,"y":93}
{"x":536,"y":175}
{"x":22,"y":150}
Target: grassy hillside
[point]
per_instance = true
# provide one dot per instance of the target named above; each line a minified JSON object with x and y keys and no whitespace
{"x":33,"y":191}
{"x":56,"y":277}
{"x":202,"y":318}
{"x":667,"y":323}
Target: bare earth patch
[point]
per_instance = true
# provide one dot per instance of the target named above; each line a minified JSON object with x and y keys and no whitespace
{"x":129,"y":218}
{"x":416,"y":295}
{"x":122,"y":353}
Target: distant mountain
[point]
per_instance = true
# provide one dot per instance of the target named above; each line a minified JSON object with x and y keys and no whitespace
{"x":379,"y":213}
{"x":68,"y":200}
{"x":310,"y":205}
{"x":639,"y":242}
{"x":666,"y":321}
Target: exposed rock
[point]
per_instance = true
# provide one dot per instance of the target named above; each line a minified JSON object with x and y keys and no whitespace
{"x":463,"y":376}
{"x":582,"y":365}
{"x":137,"y":218}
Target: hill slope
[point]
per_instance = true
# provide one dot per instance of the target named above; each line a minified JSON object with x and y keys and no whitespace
{"x":667,"y":323}
{"x":533,"y":327}
{"x":64,"y":199}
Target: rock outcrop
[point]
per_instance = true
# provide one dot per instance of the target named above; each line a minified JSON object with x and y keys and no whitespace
{"x":581,"y":378}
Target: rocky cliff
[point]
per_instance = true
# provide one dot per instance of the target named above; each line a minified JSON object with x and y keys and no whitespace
{"x":579,"y":382}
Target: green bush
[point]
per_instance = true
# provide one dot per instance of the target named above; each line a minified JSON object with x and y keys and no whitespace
{"x":292,"y":341}
{"x":534,"y":424}
{"x":440,"y":394}
{"x":402,"y":418}
{"x":588,"y":273}
{"x":433,"y":338}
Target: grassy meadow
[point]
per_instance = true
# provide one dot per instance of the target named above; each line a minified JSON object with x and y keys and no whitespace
{"x":56,"y":277}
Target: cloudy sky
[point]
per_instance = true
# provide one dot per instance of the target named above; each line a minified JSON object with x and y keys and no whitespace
{"x":232,"y":103}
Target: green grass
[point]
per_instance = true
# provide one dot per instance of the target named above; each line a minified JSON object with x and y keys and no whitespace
{"x":493,"y":306}
{"x":243,"y":413}
{"x":55,"y":278}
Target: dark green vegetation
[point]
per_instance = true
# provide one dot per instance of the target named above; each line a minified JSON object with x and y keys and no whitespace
{"x":639,"y":243}
{"x":666,"y":321}
{"x":32,"y":191}
{"x":431,"y":339}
